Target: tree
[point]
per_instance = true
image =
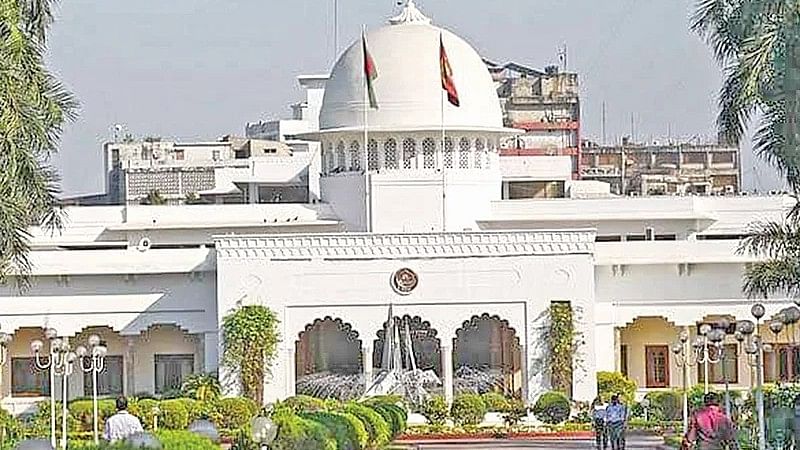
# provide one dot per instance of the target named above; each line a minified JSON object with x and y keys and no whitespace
{"x":757,"y":42}
{"x":250,"y":340}
{"x":34,"y":107}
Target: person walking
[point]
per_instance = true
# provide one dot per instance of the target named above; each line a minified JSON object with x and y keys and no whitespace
{"x":710,"y":428}
{"x":122,"y":424}
{"x":616,"y":420}
{"x":599,"y":420}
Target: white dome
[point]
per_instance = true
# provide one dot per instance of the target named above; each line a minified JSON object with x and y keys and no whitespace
{"x":408,"y":88}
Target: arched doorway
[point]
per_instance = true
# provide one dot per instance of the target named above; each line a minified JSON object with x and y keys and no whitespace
{"x":487,"y":357}
{"x":328,"y":360}
{"x":425,"y":344}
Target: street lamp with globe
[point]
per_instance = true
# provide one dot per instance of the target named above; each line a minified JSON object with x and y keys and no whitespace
{"x":92,"y":360}
{"x":60,"y":363}
{"x":755,"y":347}
{"x":264,"y":431}
{"x":49,"y":363}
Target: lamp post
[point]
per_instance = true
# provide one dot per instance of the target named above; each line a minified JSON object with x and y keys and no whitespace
{"x":95,"y":354}
{"x":60,"y":363}
{"x":755,"y":347}
{"x":717,"y":338}
{"x":703,"y":356}
{"x":48,"y":364}
{"x":683,"y":361}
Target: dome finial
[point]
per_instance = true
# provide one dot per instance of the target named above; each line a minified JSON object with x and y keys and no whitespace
{"x":409,"y":14}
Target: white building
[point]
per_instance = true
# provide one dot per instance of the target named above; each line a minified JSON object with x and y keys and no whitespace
{"x":409,"y":223}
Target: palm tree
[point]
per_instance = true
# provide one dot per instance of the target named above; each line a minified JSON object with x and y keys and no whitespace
{"x":34,"y":107}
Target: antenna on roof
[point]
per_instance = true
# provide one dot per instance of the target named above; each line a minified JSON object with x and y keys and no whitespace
{"x":562,"y":57}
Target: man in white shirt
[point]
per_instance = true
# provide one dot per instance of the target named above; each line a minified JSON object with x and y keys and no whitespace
{"x":122,"y":424}
{"x":599,"y":419}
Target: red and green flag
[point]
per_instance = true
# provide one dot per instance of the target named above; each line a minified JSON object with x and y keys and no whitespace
{"x":447,"y":75}
{"x":370,"y":73}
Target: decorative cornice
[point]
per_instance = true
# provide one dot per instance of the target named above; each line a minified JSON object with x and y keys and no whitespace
{"x":360,"y":246}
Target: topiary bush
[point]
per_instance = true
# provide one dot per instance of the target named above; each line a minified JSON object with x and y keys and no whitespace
{"x":144,"y":409}
{"x":83,"y":412}
{"x":298,"y":433}
{"x":10,"y":429}
{"x":184,"y":440}
{"x":304,"y":403}
{"x":495,"y":402}
{"x":235,"y":412}
{"x":348,"y":431}
{"x":468,"y":409}
{"x":203,"y":387}
{"x":552,"y":408}
{"x":174,"y":415}
{"x":394,"y":415}
{"x":376,"y":426}
{"x":435,"y":410}
{"x":610,"y":383}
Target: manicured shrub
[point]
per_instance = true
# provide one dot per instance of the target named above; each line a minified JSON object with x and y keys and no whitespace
{"x":298,"y":433}
{"x":552,"y":408}
{"x":610,"y":383}
{"x":10,"y":429}
{"x":376,"y":426}
{"x":235,"y":412}
{"x":348,"y":431}
{"x":144,"y":409}
{"x":665,"y":405}
{"x":184,"y":440}
{"x":174,"y":415}
{"x":304,"y":403}
{"x":394,"y":415}
{"x":202,"y":387}
{"x":435,"y":410}
{"x":495,"y":402}
{"x":468,"y":409}
{"x":83,"y":412}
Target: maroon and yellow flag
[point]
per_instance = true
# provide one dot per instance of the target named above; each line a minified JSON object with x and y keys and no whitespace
{"x":370,"y":73}
{"x":447,"y":75}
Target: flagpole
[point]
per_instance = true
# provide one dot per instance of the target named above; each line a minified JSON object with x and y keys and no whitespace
{"x":444,"y":178}
{"x":365,"y":167}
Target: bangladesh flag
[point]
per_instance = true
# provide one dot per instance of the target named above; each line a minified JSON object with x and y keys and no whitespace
{"x":370,"y":73}
{"x":447,"y":75}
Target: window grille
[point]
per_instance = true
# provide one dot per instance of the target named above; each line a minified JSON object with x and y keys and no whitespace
{"x":448,"y":153}
{"x":409,"y":153}
{"x":463,"y":154}
{"x":355,"y":156}
{"x":480,"y":153}
{"x":390,"y":154}
{"x":429,"y":153}
{"x":372,"y":155}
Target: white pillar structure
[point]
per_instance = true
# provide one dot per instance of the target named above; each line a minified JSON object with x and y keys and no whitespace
{"x":210,"y":351}
{"x":447,"y":373}
{"x":366,"y":358}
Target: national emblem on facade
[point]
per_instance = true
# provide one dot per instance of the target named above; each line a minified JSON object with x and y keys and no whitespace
{"x":404,"y":281}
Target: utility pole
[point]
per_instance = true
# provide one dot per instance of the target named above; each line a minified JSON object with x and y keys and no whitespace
{"x":603,"y":123}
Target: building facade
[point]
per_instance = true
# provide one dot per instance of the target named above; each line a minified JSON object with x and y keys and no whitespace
{"x":410,"y":223}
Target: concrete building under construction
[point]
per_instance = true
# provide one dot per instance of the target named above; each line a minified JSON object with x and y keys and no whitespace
{"x":663,"y":169}
{"x":546,"y":104}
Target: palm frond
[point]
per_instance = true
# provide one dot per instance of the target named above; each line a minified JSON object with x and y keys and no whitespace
{"x":772,"y":240}
{"x":781,"y":277}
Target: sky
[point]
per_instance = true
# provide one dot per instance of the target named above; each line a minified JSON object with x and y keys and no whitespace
{"x":200,"y":69}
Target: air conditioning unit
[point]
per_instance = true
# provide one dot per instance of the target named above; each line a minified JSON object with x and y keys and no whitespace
{"x":144,"y":244}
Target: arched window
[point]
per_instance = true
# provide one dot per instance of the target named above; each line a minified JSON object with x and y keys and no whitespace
{"x":329,"y":160}
{"x":372,"y":155}
{"x":448,"y":153}
{"x":429,"y":153}
{"x":341,"y":160}
{"x":355,"y":156}
{"x":390,"y":154}
{"x":480,"y":153}
{"x":409,"y":154}
{"x":463,"y":154}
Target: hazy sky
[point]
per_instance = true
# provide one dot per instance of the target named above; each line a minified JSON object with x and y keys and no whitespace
{"x":199,"y":69}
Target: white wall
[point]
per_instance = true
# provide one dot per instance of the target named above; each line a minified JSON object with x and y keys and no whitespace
{"x":356,"y":289}
{"x":346,"y":194}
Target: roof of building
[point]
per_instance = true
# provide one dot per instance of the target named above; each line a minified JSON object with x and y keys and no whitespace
{"x":408,"y":88}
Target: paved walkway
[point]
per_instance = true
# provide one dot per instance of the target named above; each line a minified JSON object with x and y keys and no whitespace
{"x":634,"y":443}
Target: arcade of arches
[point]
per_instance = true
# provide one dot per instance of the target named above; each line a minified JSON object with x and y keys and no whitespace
{"x":484,"y":356}
{"x":643,"y":353}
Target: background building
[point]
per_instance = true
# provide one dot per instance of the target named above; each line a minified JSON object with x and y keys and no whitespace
{"x":663,"y":169}
{"x":546,"y":104}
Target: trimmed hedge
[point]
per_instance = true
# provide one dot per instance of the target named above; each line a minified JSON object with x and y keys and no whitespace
{"x":610,"y":383}
{"x":346,"y":429}
{"x":298,"y":433}
{"x":495,"y":402}
{"x":394,"y":415}
{"x":552,"y":408}
{"x":234,"y":412}
{"x":377,"y":428}
{"x":468,"y":409}
{"x":170,"y":440}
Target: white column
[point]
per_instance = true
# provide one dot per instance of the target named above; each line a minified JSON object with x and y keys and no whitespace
{"x":291,"y":372}
{"x":447,"y":373}
{"x":524,"y":367}
{"x":210,"y":352}
{"x":129,"y":365}
{"x":366,"y":358}
{"x":617,"y":349}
